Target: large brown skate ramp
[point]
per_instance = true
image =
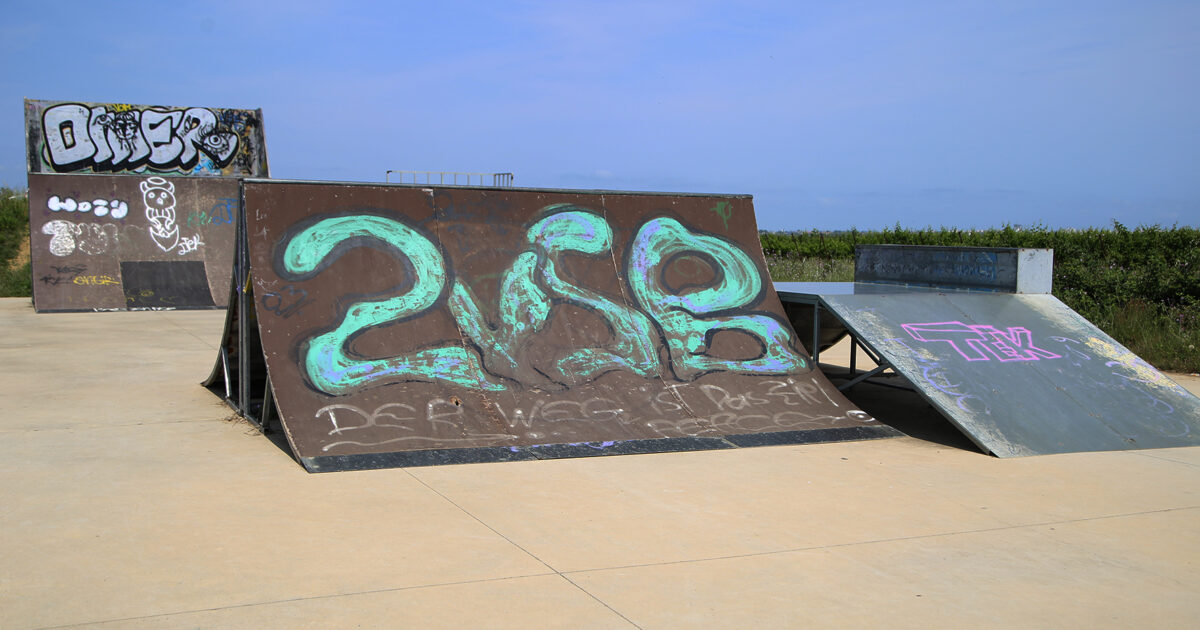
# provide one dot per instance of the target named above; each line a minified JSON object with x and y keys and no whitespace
{"x":407,"y":325}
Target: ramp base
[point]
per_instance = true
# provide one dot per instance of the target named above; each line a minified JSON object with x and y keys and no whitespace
{"x":413,"y":459}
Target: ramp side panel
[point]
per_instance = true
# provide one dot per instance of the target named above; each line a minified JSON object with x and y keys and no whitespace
{"x":116,"y":242}
{"x":399,"y":319}
{"x":1023,"y":374}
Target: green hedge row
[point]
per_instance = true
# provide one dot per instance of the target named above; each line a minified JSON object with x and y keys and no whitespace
{"x":1093,"y":266}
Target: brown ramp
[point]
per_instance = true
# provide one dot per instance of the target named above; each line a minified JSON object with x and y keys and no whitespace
{"x":409,"y":325}
{"x":116,"y":242}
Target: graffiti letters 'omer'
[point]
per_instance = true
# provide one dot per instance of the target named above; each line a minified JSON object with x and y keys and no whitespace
{"x":80,"y":137}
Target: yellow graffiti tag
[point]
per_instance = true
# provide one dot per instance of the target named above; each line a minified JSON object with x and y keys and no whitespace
{"x":94,"y":280}
{"x":1142,"y":372}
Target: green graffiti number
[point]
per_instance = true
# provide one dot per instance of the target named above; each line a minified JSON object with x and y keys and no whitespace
{"x":577,"y":230}
{"x":689,"y":319}
{"x":493,"y":352}
{"x":326,"y":362}
{"x":529,"y":289}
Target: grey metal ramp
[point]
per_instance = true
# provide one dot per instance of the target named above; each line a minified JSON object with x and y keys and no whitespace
{"x":1018,"y":374}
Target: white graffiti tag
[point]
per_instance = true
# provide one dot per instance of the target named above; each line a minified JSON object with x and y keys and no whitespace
{"x":88,"y":238}
{"x":159,"y":196}
{"x":115,"y":208}
{"x":62,"y":237}
{"x":189,"y":244}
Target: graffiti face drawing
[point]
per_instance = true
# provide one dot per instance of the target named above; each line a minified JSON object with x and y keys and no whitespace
{"x":123,"y":126}
{"x":159,"y":197}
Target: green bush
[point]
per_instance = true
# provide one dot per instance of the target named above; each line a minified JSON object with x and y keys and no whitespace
{"x":14,"y":223}
{"x":15,"y":282}
{"x":14,"y":228}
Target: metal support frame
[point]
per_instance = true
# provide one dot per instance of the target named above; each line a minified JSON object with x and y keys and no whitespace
{"x":241,"y":270}
{"x":816,"y":342}
{"x":245,"y":306}
{"x":882,"y":364}
{"x":268,"y":407}
{"x":224,"y":354}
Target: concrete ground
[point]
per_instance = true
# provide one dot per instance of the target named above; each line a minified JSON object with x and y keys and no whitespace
{"x":132,"y":499}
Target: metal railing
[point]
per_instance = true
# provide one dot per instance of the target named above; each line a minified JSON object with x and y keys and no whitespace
{"x":454,"y":178}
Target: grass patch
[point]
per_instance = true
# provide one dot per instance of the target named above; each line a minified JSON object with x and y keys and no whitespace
{"x":15,"y":282}
{"x":1167,"y":338}
{"x":810,"y":269}
{"x":15,"y":277}
{"x":14,"y":223}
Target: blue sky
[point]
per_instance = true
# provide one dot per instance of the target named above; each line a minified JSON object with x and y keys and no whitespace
{"x":833,"y":115}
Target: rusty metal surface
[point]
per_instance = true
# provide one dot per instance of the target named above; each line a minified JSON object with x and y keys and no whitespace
{"x":116,"y":242}
{"x":407,"y":325}
{"x":1020,"y":374}
{"x":77,"y":137}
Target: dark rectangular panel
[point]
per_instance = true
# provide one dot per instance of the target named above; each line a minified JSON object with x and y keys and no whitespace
{"x":165,"y":284}
{"x":1006,"y":269}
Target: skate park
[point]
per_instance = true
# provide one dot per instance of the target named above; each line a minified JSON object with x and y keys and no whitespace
{"x":157,"y":502}
{"x":135,"y":498}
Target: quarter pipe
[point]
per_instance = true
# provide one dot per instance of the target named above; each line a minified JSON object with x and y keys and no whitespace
{"x":409,"y":325}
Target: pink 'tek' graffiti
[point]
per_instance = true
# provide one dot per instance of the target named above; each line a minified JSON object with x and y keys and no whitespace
{"x":978,"y":342}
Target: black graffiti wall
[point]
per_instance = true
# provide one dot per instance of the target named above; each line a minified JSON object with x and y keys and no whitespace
{"x":116,"y":242}
{"x":78,"y":137}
